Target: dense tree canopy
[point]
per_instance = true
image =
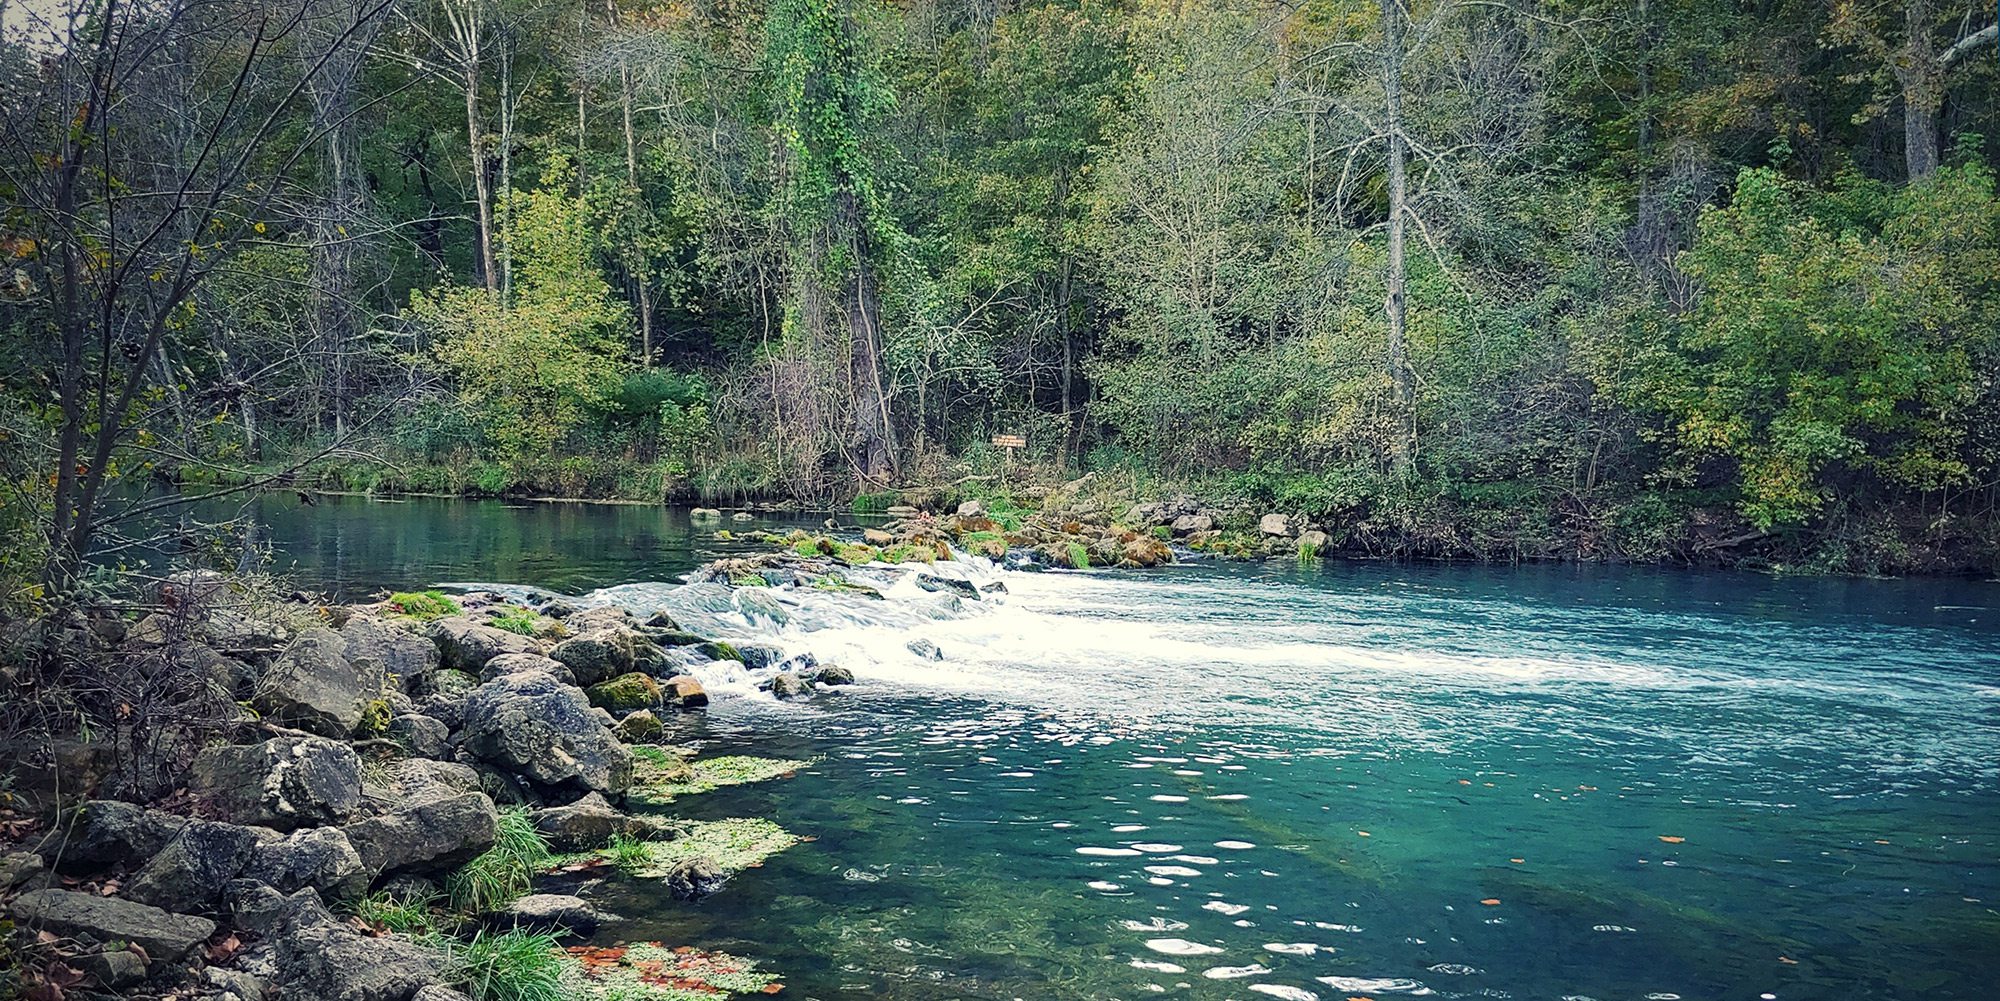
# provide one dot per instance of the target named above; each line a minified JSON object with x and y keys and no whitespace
{"x":1534,"y":277}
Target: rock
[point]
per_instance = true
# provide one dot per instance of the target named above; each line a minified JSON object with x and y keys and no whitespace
{"x":104,"y":831}
{"x":234,"y":983}
{"x":1314,"y":539}
{"x":189,"y":873}
{"x":924,"y":649}
{"x":466,"y":645}
{"x":164,"y":936}
{"x":508,"y":663}
{"x":20,"y":869}
{"x":685,"y":691}
{"x":742,"y":516}
{"x":1189,"y":524}
{"x":626,"y":693}
{"x":758,"y":603}
{"x":595,"y":655}
{"x":436,"y":993}
{"x":429,"y":836}
{"x":834,"y":675}
{"x":255,"y":906}
{"x":590,"y":822}
{"x":321,"y":858}
{"x":540,"y":728}
{"x":947,"y":585}
{"x":335,"y":962}
{"x":1276,"y":524}
{"x":313,"y":687}
{"x":113,"y":969}
{"x":641,"y":727}
{"x":694,"y":878}
{"x":704,"y":513}
{"x":1144,"y":551}
{"x":448,"y":683}
{"x":878,"y":538}
{"x":422,"y":736}
{"x":790,"y":686}
{"x":972,"y":509}
{"x":282,"y":783}
{"x":400,"y":784}
{"x":551,"y":911}
{"x":387,"y":649}
{"x":661,"y":619}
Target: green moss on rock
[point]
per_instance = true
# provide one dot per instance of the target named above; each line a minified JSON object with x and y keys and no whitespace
{"x":626,"y":693}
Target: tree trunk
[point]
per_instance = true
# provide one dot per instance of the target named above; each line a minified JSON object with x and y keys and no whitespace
{"x":1923,"y":91}
{"x":644,"y":292}
{"x":1394,"y":305}
{"x":874,"y":434}
{"x":489,"y":272}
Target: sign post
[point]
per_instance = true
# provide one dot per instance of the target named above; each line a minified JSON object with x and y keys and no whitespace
{"x":1010,"y":442}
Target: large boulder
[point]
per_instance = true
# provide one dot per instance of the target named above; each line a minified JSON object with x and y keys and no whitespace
{"x":387,"y":649}
{"x":596,"y":655}
{"x":189,"y":873}
{"x":336,"y":962}
{"x":429,"y":836}
{"x":590,"y":822}
{"x":422,"y":736}
{"x":467,"y":645}
{"x":685,"y":691}
{"x":313,"y":686}
{"x":537,"y":727}
{"x":399,"y":784}
{"x":1144,"y":551}
{"x":282,"y":783}
{"x":164,"y":936}
{"x":1276,"y":524}
{"x":321,"y":858}
{"x":1189,"y":524}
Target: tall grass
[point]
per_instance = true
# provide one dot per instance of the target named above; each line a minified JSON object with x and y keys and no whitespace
{"x":504,"y":872}
{"x":512,"y":966}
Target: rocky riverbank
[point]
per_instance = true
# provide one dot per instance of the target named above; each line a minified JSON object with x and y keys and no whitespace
{"x":369,"y":804}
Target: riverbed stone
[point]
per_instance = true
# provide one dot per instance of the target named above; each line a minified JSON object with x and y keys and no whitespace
{"x":164,"y":935}
{"x":397,"y":653}
{"x":189,"y":872}
{"x":430,"y":836}
{"x":336,"y":962}
{"x":686,"y":691}
{"x":596,"y":655}
{"x":694,"y":878}
{"x":282,"y":783}
{"x":626,"y":693}
{"x":539,"y":728}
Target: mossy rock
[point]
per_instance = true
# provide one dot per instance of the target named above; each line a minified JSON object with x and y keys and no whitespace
{"x":991,"y":545}
{"x":626,"y":693}
{"x":660,"y":776}
{"x":854,"y":555}
{"x":718,"y":650}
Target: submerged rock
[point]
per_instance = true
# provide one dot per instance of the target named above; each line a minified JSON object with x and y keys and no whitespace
{"x":552,"y":911}
{"x":694,"y":878}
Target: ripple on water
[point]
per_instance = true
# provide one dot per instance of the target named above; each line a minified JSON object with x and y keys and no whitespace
{"x":1168,"y":798}
{"x":1382,"y":985}
{"x":1180,"y":947}
{"x":1172,"y":870}
{"x":1236,"y":972}
{"x":1284,"y":993}
{"x":1223,"y":907}
{"x":1235,"y":846}
{"x":1104,"y":885}
{"x":1128,"y":828}
{"x":1158,"y":967}
{"x":1107,"y":852}
{"x":1153,"y":924}
{"x":1155,"y":847}
{"x":1292,"y":948}
{"x":1196,"y":859}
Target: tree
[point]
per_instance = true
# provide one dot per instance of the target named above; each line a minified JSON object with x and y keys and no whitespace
{"x":1920,"y":52}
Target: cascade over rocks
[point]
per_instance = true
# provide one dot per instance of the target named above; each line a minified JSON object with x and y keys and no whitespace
{"x":544,"y":730}
{"x":282,"y":783}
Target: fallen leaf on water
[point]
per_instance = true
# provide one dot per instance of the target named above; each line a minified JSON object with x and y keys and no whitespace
{"x":1788,"y":961}
{"x":1364,"y":834}
{"x":1491,"y":901}
{"x":1465,"y":782}
{"x":1517,"y":861}
{"x":1672,"y":839}
{"x":773,"y":988}
{"x":1880,"y":842}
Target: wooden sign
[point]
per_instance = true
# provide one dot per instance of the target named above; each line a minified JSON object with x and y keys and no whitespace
{"x":1009,"y":441}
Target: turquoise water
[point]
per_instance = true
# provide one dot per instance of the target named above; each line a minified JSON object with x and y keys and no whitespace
{"x":1229,"y":781}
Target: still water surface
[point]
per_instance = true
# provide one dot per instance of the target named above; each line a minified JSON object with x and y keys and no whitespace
{"x":1243,"y":781}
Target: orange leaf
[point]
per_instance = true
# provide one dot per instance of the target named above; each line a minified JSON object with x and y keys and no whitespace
{"x":1672,"y":839}
{"x":1517,"y":861}
{"x":1491,"y":901}
{"x":1364,"y":834}
{"x":773,"y":988}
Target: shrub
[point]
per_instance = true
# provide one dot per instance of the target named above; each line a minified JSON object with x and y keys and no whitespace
{"x":504,"y":872}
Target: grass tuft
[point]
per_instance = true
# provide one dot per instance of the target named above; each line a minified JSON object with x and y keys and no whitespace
{"x":504,"y":872}
{"x":410,"y":916}
{"x":424,"y":606}
{"x":515,"y":620}
{"x":512,"y":966}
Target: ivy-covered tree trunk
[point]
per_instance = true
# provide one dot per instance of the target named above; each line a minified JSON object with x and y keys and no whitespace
{"x":874,"y":434}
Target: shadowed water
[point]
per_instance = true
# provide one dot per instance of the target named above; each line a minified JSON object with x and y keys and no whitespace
{"x":1230,"y":781}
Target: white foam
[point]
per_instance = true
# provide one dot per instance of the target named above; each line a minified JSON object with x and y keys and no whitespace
{"x":1107,"y":852}
{"x":1284,"y":993}
{"x":1180,"y":947}
{"x":1236,"y":972}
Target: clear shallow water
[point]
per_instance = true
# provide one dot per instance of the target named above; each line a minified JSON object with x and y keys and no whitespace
{"x":1220,"y":781}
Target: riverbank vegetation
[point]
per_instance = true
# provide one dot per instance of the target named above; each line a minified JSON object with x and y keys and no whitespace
{"x":1569,"y":279}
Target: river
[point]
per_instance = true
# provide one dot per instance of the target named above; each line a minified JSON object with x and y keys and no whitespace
{"x":1238,"y":781}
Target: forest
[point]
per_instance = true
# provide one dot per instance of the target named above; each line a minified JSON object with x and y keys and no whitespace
{"x":1691,"y":280}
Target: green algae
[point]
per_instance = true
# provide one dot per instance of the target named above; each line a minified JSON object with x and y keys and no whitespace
{"x":660,"y":775}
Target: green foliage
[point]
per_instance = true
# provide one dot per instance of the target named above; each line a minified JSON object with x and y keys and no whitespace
{"x":875,"y":503}
{"x":502,"y":873}
{"x":425,"y":605}
{"x":1079,"y":557}
{"x":627,"y":852}
{"x":374,"y":722}
{"x":415,"y":915}
{"x":1838,"y":336}
{"x":512,"y":966}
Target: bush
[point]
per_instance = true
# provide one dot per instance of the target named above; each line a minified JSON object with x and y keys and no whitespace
{"x":505,"y":872}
